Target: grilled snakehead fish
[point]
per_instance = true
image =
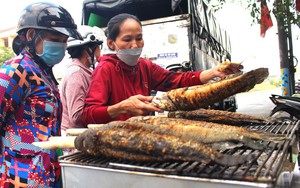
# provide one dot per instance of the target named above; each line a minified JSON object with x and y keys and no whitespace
{"x":220,"y":116}
{"x":138,"y":144}
{"x":195,"y":97}
{"x":206,"y":132}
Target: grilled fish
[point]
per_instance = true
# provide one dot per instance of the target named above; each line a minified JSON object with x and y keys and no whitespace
{"x":195,"y":97}
{"x":206,"y":132}
{"x":220,"y":116}
{"x":144,"y":145}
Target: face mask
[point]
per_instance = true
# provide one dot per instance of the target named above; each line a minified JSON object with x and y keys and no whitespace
{"x":129,"y":56}
{"x":53,"y":52}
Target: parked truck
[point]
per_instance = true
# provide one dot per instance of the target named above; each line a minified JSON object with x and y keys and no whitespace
{"x":181,"y":32}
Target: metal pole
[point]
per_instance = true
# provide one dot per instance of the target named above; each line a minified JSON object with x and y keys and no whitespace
{"x":285,"y":65}
{"x":290,"y":50}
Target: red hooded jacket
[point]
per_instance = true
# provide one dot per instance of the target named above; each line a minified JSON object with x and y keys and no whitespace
{"x":113,"y":81}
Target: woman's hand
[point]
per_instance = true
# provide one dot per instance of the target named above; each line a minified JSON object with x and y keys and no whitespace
{"x":226,"y":68}
{"x":135,"y":105}
{"x":220,"y":71}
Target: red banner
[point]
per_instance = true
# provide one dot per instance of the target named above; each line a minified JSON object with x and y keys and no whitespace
{"x":298,"y":5}
{"x":265,"y":18}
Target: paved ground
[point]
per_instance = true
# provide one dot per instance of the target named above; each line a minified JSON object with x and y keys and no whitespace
{"x":256,"y":103}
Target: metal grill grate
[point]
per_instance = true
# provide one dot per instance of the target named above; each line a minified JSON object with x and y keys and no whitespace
{"x":265,"y":167}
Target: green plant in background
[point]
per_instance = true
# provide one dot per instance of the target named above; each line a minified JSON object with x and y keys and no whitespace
{"x":275,"y":81}
{"x":5,"y":54}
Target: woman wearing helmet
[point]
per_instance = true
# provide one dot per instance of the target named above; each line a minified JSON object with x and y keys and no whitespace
{"x":31,"y":109}
{"x":84,"y":54}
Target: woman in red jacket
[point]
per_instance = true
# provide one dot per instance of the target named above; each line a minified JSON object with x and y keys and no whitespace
{"x":122,"y":82}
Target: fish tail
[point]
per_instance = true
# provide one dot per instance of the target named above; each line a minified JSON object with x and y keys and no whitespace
{"x":266,"y":136}
{"x":274,"y":137}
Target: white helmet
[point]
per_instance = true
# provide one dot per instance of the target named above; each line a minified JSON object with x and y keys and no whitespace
{"x":89,"y":35}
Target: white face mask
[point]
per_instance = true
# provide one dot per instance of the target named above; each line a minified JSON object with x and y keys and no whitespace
{"x":129,"y":56}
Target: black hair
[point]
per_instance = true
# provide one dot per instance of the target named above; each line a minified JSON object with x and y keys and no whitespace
{"x":113,"y":26}
{"x":75,"y":52}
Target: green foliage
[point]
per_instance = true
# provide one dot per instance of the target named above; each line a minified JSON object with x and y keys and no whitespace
{"x":281,"y":9}
{"x":275,"y":81}
{"x":6,"y":53}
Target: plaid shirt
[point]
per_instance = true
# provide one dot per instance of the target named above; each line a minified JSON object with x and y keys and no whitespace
{"x":30,"y":111}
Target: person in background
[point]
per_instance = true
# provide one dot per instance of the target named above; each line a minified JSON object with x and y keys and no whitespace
{"x":31,"y":109}
{"x":84,"y":54}
{"x":122,"y":82}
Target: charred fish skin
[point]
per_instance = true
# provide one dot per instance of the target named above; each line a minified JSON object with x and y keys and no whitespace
{"x":195,"y":97}
{"x":164,"y":102}
{"x":141,"y":145}
{"x":86,"y":141}
{"x":220,"y":116}
{"x":93,"y":148}
{"x":206,"y":132}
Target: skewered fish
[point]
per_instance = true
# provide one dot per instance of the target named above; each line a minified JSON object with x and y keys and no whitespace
{"x":195,"y":97}
{"x":206,"y":132}
{"x":144,"y":145}
{"x":220,"y":116}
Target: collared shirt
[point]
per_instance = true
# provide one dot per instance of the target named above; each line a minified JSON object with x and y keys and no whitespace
{"x":30,"y":112}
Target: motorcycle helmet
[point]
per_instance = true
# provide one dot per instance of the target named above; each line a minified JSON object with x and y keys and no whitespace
{"x":91,"y":40}
{"x":48,"y":16}
{"x":174,"y":67}
{"x":185,"y":66}
{"x":89,"y":35}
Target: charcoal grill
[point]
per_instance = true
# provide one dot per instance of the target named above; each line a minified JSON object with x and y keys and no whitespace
{"x":82,"y":170}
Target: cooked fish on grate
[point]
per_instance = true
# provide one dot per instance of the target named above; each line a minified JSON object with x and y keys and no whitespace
{"x":195,"y":97}
{"x":206,"y":132}
{"x":220,"y":116}
{"x":138,"y":144}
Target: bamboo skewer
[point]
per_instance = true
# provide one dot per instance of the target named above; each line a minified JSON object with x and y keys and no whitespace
{"x":57,"y":142}
{"x":76,"y":131}
{"x":65,"y":142}
{"x":95,"y":126}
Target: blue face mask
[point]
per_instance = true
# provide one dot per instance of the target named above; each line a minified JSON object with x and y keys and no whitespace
{"x":53,"y":52}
